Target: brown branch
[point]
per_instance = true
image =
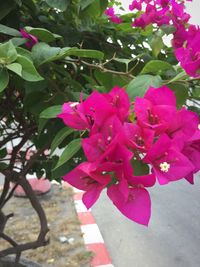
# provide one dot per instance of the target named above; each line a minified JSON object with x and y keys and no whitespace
{"x":103,"y":69}
{"x":41,"y":240}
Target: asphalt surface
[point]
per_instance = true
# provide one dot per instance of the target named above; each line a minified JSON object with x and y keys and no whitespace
{"x":172,"y":238}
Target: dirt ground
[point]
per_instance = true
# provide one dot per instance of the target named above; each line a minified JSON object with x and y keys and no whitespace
{"x":63,"y":224}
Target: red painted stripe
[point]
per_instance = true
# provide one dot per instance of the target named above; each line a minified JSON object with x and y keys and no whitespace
{"x":101,"y":256}
{"x":86,"y":218}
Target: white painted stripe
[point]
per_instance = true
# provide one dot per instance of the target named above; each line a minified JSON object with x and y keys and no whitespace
{"x":80,"y":207}
{"x":91,"y":234}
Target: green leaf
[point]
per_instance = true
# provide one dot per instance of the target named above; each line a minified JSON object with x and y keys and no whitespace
{"x":156,"y":67}
{"x":59,"y":4}
{"x":180,"y":76}
{"x":8,"y":53}
{"x":109,"y":80}
{"x":168,"y":29}
{"x":181,"y":92}
{"x":139,"y":85}
{"x":140,"y":168}
{"x":61,"y":135}
{"x":42,"y":34}
{"x":4,"y":79}
{"x":51,"y":112}
{"x":71,"y":149}
{"x":29,"y":72}
{"x":9,"y":31}
{"x":41,"y":125}
{"x":18,"y":41}
{"x":24,"y":52}
{"x":86,"y":3}
{"x":16,"y":68}
{"x":42,"y":53}
{"x":157,"y":45}
{"x":85,"y":53}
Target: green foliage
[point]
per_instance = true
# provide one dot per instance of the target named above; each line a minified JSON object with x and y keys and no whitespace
{"x":156,"y":67}
{"x":139,"y":85}
{"x":157,"y":45}
{"x":59,"y":138}
{"x":51,"y":112}
{"x":59,"y":4}
{"x":140,"y":168}
{"x":4,"y":79}
{"x":71,"y":149}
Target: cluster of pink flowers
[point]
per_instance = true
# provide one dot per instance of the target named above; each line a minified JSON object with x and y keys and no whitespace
{"x":187,"y":49}
{"x":111,"y":14}
{"x":159,"y":12}
{"x":185,"y":40}
{"x":149,"y":132}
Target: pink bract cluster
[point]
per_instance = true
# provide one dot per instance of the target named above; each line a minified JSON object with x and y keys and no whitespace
{"x":111,"y":15}
{"x":160,"y":12}
{"x":150,"y":132}
{"x":186,"y":37}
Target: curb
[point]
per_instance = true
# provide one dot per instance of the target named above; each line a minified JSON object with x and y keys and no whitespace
{"x":91,"y":234}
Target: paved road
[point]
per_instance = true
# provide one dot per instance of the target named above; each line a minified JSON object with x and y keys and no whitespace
{"x":172,"y":238}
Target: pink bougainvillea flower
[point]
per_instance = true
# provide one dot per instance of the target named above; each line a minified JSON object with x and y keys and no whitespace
{"x":135,"y":5}
{"x":72,"y":115}
{"x":180,"y":35}
{"x":192,"y":151}
{"x":161,"y":96}
{"x":168,"y":163}
{"x":183,"y":125}
{"x":137,"y":207}
{"x":143,"y":180}
{"x":189,"y":53}
{"x":154,"y":117}
{"x":97,"y":109}
{"x":111,"y":14}
{"x":138,"y":138}
{"x":32,"y":40}
{"x":86,"y":177}
{"x":95,"y":145}
{"x":189,"y":61}
{"x":156,"y":109}
{"x":119,"y":99}
{"x":88,"y":114}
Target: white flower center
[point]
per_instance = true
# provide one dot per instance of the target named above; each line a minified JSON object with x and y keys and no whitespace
{"x":199,"y":126}
{"x":164,"y":166}
{"x":73,"y":104}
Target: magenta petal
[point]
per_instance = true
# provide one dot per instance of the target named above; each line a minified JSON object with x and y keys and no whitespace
{"x":72,"y":117}
{"x":91,"y":196}
{"x":145,"y":180}
{"x":161,"y":96}
{"x":137,"y":207}
{"x":190,"y":178}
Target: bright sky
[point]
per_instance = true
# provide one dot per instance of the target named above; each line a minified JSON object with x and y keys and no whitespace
{"x":192,"y":7}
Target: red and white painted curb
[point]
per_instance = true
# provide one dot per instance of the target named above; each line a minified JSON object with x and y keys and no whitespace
{"x":91,"y":234}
